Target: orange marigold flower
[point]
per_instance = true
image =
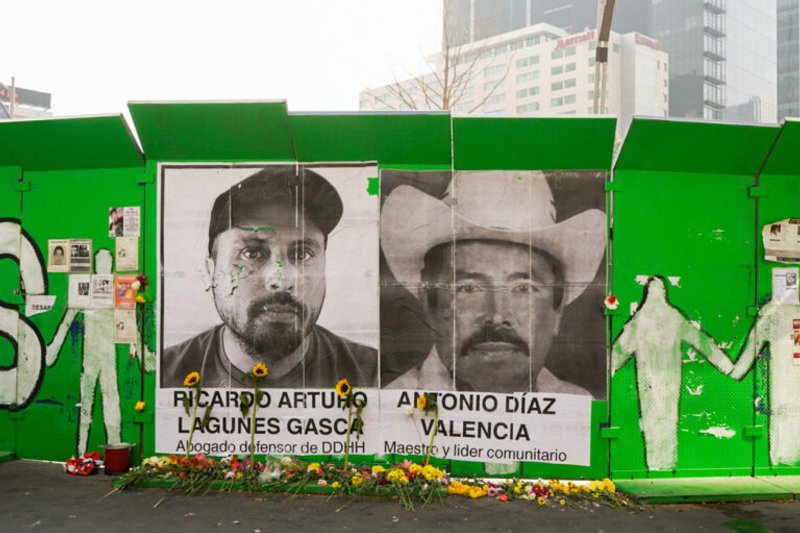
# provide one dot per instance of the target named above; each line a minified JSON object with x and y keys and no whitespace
{"x":260,"y":370}
{"x":192,"y":379}
{"x":343,"y":388}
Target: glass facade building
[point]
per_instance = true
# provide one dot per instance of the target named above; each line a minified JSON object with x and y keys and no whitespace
{"x":788,"y":59}
{"x":722,"y":53}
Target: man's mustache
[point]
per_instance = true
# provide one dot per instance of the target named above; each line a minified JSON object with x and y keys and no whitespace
{"x":492,"y":333}
{"x":278,"y":299}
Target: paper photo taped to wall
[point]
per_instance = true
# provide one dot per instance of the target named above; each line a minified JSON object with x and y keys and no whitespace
{"x":272,"y":263}
{"x":493,"y":281}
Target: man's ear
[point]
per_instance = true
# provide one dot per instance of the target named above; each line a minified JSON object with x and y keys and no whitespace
{"x":209,"y":278}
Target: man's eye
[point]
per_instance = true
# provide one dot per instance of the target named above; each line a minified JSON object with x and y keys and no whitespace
{"x":304,"y":254}
{"x":526,"y":286}
{"x":253,"y":254}
{"x":467,"y":288}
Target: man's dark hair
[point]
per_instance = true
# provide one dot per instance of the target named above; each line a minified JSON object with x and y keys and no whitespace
{"x":301,"y":189}
{"x":437,"y":258}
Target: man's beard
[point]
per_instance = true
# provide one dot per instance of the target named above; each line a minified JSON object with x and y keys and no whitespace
{"x":262,"y":336}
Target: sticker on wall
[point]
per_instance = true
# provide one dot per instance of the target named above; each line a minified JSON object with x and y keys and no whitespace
{"x":36,"y":304}
{"x":124,"y":295}
{"x":80,"y":256}
{"x":124,"y":326}
{"x":127,"y":253}
{"x":58,"y":255}
{"x":782,"y":241}
{"x":102,"y":291}
{"x":784,"y":286}
{"x":78,"y":294}
{"x":123,"y":222}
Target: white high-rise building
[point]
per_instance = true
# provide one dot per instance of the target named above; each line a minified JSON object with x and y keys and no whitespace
{"x":539,"y":70}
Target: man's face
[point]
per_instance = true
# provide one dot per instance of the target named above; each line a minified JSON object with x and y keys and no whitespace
{"x":497,"y":324}
{"x":268,"y":279}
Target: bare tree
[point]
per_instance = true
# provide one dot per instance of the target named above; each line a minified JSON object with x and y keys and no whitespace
{"x":454,"y":72}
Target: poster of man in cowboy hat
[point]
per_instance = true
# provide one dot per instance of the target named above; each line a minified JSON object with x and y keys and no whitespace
{"x":481,"y":279}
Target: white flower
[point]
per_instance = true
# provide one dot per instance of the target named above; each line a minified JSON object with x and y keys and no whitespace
{"x":136,"y":285}
{"x":409,"y":411}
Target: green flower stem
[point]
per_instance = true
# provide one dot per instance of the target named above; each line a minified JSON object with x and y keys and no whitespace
{"x":253,"y":426}
{"x":433,"y":436}
{"x":349,"y":430}
{"x":194,"y":419}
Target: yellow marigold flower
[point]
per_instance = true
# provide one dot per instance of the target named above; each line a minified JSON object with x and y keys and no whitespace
{"x":357,"y":480}
{"x":336,"y":485}
{"x":562,"y":502}
{"x":415,"y":468}
{"x":541,"y":501}
{"x":313,"y":466}
{"x":476,"y":492}
{"x":140,"y":298}
{"x":377,"y":469}
{"x":343,"y":388}
{"x":422,"y":401}
{"x":139,"y":406}
{"x":239,"y":474}
{"x":260,"y":370}
{"x":192,"y":379}
{"x":430,"y":472}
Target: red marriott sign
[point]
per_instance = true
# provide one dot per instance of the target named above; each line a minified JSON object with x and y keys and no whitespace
{"x":647,"y":41}
{"x":575,"y":39}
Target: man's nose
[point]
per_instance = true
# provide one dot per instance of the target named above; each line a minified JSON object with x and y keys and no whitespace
{"x":495,"y":307}
{"x":277,"y":277}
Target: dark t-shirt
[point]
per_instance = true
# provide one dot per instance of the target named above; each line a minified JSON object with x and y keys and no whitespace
{"x":329,"y":358}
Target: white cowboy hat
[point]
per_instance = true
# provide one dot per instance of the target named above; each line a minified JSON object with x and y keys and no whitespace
{"x":508,"y":206}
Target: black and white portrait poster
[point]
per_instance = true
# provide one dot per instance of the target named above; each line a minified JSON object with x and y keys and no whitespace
{"x":274,"y":264}
{"x":483,"y":287}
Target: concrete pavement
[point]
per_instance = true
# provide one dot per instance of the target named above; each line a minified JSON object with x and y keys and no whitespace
{"x":38,"y":496}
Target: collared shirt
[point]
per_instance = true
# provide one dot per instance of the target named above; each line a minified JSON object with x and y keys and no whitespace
{"x":433,"y":375}
{"x":328,"y":359}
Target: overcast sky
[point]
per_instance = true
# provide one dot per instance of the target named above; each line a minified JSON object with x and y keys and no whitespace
{"x":96,"y":55}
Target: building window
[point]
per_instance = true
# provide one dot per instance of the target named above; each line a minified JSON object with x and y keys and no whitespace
{"x":516,"y":45}
{"x":569,"y":51}
{"x":557,"y":54}
{"x":463,"y":107}
{"x":557,"y":86}
{"x":556,"y":102}
{"x":569,"y":67}
{"x":569,"y":99}
{"x":528,"y":108}
{"x":533,"y":91}
{"x":522,"y":63}
{"x":532,"y":41}
{"x":522,"y":93}
{"x":495,"y":100}
{"x":493,"y":85}
{"x":555,"y":71}
{"x":592,"y":61}
{"x":569,"y":83}
{"x":591,"y":78}
{"x":616,"y":48}
{"x":528,"y":76}
{"x":496,"y":70}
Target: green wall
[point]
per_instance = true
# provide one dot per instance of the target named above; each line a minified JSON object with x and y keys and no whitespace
{"x":687,"y":200}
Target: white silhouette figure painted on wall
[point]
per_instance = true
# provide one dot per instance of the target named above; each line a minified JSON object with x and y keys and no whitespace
{"x":653,"y":337}
{"x":99,"y":362}
{"x":774,"y":327}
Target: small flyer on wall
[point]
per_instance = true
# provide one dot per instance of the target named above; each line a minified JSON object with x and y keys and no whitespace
{"x":36,"y":304}
{"x":127,"y":253}
{"x":123,"y":222}
{"x":784,"y":286}
{"x":58,"y":255}
{"x":80,"y":255}
{"x":782,"y":241}
{"x":78,"y":292}
{"x":124,"y":326}
{"x":102,"y":291}
{"x":124,"y":295}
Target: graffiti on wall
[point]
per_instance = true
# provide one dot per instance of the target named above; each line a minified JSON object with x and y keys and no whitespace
{"x":653,"y":338}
